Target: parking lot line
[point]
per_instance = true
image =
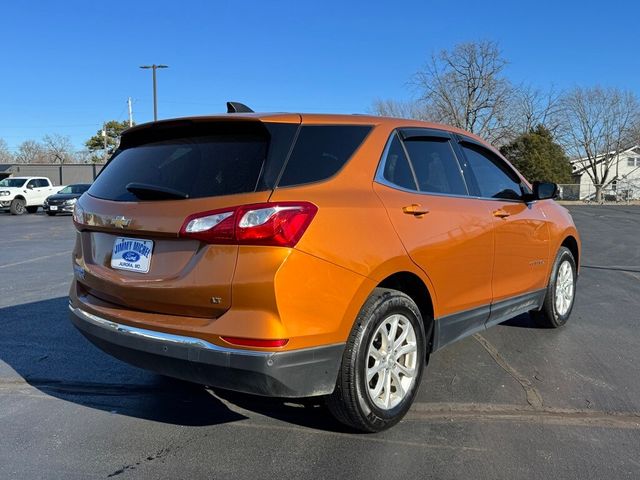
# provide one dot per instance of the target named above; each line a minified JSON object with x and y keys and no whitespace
{"x":37,"y":259}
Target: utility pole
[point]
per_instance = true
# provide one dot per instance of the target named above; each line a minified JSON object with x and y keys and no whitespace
{"x":104,"y":139}
{"x":154,"y":67}
{"x":130,"y":112}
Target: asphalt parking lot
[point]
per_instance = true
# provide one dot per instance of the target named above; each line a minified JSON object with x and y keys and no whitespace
{"x":516,"y":402}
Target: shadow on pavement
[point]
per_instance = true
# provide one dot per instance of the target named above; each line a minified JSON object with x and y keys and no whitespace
{"x":522,"y":321}
{"x":41,"y":345}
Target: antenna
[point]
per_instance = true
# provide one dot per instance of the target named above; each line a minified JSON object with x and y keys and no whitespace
{"x":237,"y":107}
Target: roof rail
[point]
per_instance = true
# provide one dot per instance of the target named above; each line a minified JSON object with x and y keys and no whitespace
{"x":237,"y":107}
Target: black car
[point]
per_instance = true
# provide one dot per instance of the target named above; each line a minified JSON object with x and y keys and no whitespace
{"x":65,"y":199}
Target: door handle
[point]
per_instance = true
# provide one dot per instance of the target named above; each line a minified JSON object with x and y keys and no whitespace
{"x":415,"y":209}
{"x":500,"y":213}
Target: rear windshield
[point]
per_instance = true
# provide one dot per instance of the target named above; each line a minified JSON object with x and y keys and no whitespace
{"x":229,"y":158}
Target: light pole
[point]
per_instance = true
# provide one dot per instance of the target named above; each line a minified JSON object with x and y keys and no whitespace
{"x":154,"y":67}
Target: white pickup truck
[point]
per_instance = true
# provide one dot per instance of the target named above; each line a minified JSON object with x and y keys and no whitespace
{"x":25,"y":194}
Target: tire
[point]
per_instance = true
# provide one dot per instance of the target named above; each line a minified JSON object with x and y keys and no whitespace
{"x":32,"y":209}
{"x":51,"y":214}
{"x":561,"y":292}
{"x":18,"y":206}
{"x":379,"y":404}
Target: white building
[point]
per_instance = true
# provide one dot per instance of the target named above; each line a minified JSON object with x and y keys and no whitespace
{"x":622,"y":184}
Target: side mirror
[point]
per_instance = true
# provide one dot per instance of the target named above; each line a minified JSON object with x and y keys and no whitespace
{"x":544,"y":190}
{"x":30,"y":187}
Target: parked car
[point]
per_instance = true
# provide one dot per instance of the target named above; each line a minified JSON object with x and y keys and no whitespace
{"x":298,"y":255}
{"x":24,"y":194}
{"x":65,"y":199}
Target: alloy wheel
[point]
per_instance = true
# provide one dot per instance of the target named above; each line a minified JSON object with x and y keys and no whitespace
{"x":564,"y":288}
{"x":392,"y":359}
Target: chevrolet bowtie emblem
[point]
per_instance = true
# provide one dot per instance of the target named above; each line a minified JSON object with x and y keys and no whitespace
{"x":120,"y":221}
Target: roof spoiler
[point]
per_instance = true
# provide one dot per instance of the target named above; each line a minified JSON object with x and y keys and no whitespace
{"x":237,"y":107}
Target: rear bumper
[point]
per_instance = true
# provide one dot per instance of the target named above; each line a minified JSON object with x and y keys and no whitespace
{"x":297,"y":373}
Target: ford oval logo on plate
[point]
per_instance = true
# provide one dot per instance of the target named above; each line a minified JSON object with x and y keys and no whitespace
{"x":131,"y":256}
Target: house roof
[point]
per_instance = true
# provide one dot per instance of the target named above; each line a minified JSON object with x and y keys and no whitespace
{"x":578,"y":164}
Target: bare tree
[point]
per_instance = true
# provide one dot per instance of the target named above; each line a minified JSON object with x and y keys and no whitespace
{"x":597,"y":125}
{"x":58,"y":148}
{"x":532,"y":107}
{"x":394,"y":108}
{"x":465,"y":87}
{"x":87,"y":156}
{"x":5,"y":154}
{"x":31,"y":151}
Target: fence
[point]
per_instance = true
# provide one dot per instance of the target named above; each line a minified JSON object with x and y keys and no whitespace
{"x":58,"y":174}
{"x":618,"y":191}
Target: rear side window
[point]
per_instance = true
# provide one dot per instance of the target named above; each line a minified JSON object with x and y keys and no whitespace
{"x":320,"y":151}
{"x":435,"y":165}
{"x":222,"y":159}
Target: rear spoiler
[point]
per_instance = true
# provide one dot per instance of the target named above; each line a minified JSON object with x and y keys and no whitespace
{"x":185,"y":127}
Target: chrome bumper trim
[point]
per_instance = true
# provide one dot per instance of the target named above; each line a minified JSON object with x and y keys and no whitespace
{"x":161,"y":336}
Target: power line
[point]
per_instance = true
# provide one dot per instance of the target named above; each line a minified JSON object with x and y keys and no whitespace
{"x":31,"y":126}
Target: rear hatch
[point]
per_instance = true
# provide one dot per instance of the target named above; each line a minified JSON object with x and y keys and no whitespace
{"x":130,"y":243}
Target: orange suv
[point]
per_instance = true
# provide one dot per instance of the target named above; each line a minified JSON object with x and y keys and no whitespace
{"x":297,"y":255}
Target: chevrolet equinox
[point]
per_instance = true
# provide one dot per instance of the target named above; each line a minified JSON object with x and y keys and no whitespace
{"x":297,"y":255}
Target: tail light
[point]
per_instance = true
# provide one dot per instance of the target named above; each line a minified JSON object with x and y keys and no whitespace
{"x":278,"y":224}
{"x":78,"y":215}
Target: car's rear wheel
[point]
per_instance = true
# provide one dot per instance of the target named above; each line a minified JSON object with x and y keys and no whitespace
{"x":18,"y":206}
{"x":382,"y":364}
{"x":32,"y":209}
{"x":561,"y":291}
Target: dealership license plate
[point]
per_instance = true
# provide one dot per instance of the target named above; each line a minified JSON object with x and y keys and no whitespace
{"x":53,"y":208}
{"x":132,"y":254}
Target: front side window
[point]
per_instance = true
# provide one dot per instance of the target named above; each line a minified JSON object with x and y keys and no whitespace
{"x":435,"y":166}
{"x":490,"y":176}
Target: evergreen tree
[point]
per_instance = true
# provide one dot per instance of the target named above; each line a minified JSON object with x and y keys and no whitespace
{"x":114,"y":129}
{"x":538,"y":157}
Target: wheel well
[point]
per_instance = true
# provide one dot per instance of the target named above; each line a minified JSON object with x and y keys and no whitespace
{"x":410,"y":284}
{"x":572,"y":245}
{"x":19,"y":197}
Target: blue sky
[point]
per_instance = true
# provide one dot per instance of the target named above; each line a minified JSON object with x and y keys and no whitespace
{"x":68,"y":66}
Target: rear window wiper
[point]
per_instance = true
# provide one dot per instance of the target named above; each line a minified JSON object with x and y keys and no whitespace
{"x":145,"y":191}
